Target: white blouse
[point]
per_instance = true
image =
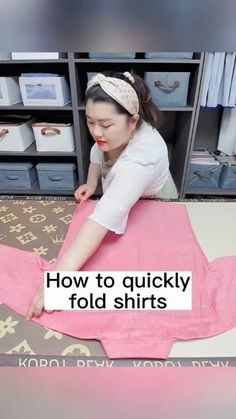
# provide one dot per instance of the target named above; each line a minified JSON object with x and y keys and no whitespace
{"x":142,"y":169}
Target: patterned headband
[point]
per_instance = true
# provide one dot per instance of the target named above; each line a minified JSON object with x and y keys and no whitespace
{"x":121,"y":91}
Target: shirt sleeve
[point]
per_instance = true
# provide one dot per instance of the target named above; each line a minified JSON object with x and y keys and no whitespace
{"x":128,"y":184}
{"x":95,"y":154}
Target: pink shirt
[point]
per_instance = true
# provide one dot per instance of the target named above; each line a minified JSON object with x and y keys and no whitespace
{"x":159,"y":237}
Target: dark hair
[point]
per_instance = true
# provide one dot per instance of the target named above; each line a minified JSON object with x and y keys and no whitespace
{"x":148,"y":111}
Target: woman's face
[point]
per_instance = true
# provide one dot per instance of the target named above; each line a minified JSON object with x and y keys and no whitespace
{"x":107,"y":127}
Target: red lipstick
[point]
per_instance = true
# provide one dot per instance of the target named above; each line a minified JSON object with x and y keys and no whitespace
{"x":101,"y":141}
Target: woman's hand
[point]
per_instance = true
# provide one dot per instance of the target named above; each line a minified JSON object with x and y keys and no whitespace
{"x":84,"y":192}
{"x":37,"y":304}
{"x":86,"y":242}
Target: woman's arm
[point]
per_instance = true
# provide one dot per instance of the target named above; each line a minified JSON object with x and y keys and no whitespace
{"x":94,"y":174}
{"x":110,"y":213}
{"x":84,"y":245}
{"x":85,"y":191}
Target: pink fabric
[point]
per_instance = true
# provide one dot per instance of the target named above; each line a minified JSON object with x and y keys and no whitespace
{"x":159,"y":237}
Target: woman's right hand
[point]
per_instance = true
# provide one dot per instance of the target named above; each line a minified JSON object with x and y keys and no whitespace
{"x":37,"y":304}
{"x":84,"y":192}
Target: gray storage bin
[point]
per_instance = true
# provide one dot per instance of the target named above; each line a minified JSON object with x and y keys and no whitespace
{"x":112,"y":54}
{"x":228,"y":177}
{"x":164,"y":55}
{"x":168,"y":89}
{"x":56,"y":176}
{"x":17,"y":175}
{"x":204,"y":175}
{"x":90,"y":76}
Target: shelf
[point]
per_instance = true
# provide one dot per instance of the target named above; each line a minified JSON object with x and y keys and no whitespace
{"x":56,"y":61}
{"x":176,"y":130}
{"x":210,"y":191}
{"x":139,"y":65}
{"x":32,"y":151}
{"x":35,"y":191}
{"x":22,"y":107}
{"x":177,"y":109}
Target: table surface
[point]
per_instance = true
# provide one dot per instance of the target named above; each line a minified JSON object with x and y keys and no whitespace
{"x":214,"y":224}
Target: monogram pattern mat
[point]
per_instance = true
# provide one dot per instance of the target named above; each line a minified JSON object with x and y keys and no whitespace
{"x":40,"y":226}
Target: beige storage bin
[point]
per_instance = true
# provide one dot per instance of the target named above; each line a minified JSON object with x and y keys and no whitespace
{"x":16,"y":132}
{"x":9,"y":91}
{"x":54,"y":137}
{"x":43,"y":90}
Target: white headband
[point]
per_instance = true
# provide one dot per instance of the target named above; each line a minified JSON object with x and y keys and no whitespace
{"x":121,"y":91}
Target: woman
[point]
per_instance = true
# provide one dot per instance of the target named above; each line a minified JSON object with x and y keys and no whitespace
{"x":129,"y":156}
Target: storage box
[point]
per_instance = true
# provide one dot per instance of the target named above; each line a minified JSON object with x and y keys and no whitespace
{"x":169,"y":55}
{"x":204,"y":175}
{"x":112,"y":55}
{"x":54,"y":137}
{"x":16,"y":133}
{"x":17,"y":175}
{"x":90,"y":76}
{"x":228,"y":177}
{"x":37,"y":55}
{"x":45,"y":90}
{"x":57,"y":176}
{"x":5,"y":56}
{"x":168,"y":89}
{"x":9,"y":91}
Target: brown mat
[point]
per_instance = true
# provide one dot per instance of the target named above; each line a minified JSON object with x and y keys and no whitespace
{"x":37,"y":225}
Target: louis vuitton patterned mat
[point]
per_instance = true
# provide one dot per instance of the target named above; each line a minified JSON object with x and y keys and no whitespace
{"x":40,"y":226}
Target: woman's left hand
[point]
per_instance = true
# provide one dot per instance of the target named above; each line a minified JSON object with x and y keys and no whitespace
{"x":37,"y":304}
